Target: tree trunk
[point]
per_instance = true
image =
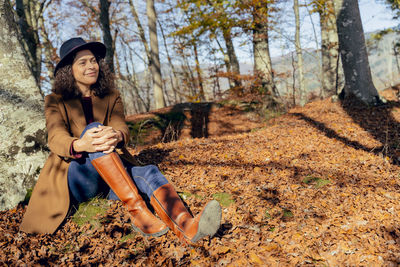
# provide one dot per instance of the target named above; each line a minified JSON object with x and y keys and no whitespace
{"x":157,"y":87}
{"x":302,"y":92}
{"x":329,"y":48}
{"x":262,"y":57}
{"x":389,"y":56}
{"x":22,"y":128}
{"x":227,"y":64}
{"x":49,"y":54}
{"x":28,"y":12}
{"x":172,"y":76}
{"x":353,"y":51}
{"x":317,"y":47}
{"x":107,"y":37}
{"x":154,"y":63}
{"x":233,"y":61}
{"x":199,"y":75}
{"x":189,"y":78}
{"x":293,"y":79}
{"x":141,"y":30}
{"x":131,"y":78}
{"x":147,"y":93}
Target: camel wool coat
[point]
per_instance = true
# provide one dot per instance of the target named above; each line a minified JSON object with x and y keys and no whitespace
{"x":65,"y":121}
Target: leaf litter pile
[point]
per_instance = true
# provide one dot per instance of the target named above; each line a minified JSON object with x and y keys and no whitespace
{"x":317,"y":186}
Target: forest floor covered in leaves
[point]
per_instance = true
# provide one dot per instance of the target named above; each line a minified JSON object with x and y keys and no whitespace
{"x":319,"y":185}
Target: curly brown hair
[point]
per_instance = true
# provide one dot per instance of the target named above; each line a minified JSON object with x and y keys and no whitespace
{"x":64,"y":82}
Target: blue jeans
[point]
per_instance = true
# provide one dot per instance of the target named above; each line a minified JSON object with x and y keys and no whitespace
{"x":84,"y":182}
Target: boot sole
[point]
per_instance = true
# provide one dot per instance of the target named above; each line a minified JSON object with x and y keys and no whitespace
{"x":162,"y":232}
{"x":210,"y":221}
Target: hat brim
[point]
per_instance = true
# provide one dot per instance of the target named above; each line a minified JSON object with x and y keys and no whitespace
{"x":97,"y":48}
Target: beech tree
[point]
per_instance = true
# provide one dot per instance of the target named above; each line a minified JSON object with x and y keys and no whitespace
{"x":262,"y":56}
{"x":31,"y":25}
{"x":329,"y":46}
{"x":257,"y":19}
{"x":211,"y":18}
{"x":353,"y":52}
{"x":151,"y":48}
{"x":129,"y":82}
{"x":155,"y":66}
{"x":102,"y":15}
{"x":173,"y":76}
{"x":22,"y":128}
{"x":108,"y":39}
{"x":302,"y":90}
{"x":50,"y":53}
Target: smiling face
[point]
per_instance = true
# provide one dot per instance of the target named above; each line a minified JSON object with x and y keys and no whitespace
{"x":85,"y":70}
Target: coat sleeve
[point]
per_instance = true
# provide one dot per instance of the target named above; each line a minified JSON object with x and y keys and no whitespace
{"x":117,"y":117}
{"x":59,"y":138}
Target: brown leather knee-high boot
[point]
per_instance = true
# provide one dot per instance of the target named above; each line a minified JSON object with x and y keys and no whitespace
{"x":169,"y":206}
{"x":112,"y":170}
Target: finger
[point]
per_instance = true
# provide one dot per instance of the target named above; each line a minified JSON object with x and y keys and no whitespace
{"x":109,"y":151}
{"x":109,"y":129}
{"x":112,"y":135}
{"x":96,"y":136}
{"x":103,"y":135}
{"x":104,"y":143}
{"x":98,"y":141}
{"x":102,"y":148}
{"x":94,"y":130}
{"x":111,"y":142}
{"x":105,"y":149}
{"x":106,"y":134}
{"x":106,"y":128}
{"x":100,"y":133}
{"x":92,"y":135}
{"x":105,"y":140}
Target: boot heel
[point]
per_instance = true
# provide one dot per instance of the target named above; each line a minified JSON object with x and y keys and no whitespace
{"x":169,"y":206}
{"x":210,"y":220}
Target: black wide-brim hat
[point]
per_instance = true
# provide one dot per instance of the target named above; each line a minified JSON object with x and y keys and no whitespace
{"x":74,"y":45}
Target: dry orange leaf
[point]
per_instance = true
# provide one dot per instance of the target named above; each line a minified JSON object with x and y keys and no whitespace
{"x":255,"y":259}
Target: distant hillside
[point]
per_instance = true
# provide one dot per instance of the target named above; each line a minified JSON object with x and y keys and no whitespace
{"x":384,"y":65}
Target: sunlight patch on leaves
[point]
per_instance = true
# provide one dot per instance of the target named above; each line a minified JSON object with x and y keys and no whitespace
{"x":127,"y":237}
{"x":184,"y":195}
{"x":267,"y":214}
{"x":287,"y":213}
{"x":316,"y":181}
{"x":90,"y":212}
{"x":224,"y":199}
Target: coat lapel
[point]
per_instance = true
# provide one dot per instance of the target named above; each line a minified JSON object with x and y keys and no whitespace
{"x":75,"y":113}
{"x":100,"y":108}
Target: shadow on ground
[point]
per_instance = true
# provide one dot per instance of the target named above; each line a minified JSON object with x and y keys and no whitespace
{"x":379,"y":122}
{"x":190,"y":120}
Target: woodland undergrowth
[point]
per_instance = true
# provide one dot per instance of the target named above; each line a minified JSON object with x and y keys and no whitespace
{"x":319,"y":185}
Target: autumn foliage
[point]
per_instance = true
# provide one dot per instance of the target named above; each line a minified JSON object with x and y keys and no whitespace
{"x":318,"y":186}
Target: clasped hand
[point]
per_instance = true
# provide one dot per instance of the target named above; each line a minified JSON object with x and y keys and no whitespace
{"x":99,"y":139}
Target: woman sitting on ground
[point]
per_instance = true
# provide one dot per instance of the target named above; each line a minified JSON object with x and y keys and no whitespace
{"x":86,"y":123}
